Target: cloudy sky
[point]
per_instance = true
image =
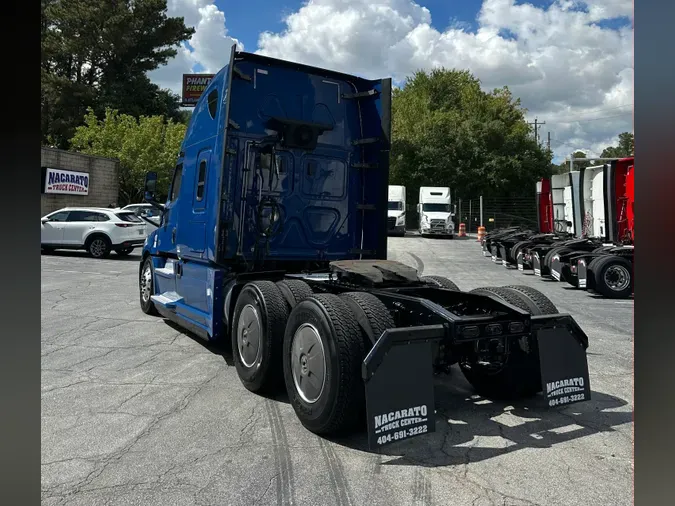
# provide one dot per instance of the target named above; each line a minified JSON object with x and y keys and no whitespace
{"x":571,"y":62}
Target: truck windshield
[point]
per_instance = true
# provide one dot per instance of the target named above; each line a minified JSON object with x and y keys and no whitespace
{"x":436,"y":208}
{"x":395,"y":206}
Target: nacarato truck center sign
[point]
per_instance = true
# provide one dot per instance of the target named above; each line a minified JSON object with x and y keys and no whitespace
{"x":65,"y":182}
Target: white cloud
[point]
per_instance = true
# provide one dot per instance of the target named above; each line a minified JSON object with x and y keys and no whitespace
{"x":209,"y":46}
{"x":567,"y":70}
{"x":561,"y":63}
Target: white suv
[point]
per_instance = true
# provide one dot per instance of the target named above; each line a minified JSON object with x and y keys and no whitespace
{"x":148,"y":213}
{"x":97,"y":230}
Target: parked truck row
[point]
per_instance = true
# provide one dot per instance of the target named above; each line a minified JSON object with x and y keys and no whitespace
{"x":273,"y":241}
{"x":585,"y":233}
{"x":435,"y":211}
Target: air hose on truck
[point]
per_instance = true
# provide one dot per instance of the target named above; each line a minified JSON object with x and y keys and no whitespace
{"x":270,"y":204}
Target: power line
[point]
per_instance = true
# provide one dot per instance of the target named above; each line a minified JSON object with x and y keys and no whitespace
{"x":602,"y":109}
{"x":536,"y":126}
{"x":593,"y":119}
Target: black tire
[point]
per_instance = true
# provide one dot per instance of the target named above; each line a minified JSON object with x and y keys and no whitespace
{"x":520,"y":375}
{"x":294,"y":291}
{"x":543,"y":303}
{"x":441,"y":282}
{"x":124,"y":252}
{"x":517,"y":247}
{"x":371,"y":313}
{"x":147,"y":306}
{"x":340,"y":402}
{"x":98,"y":246}
{"x":509,"y":296}
{"x":605,"y":271}
{"x":549,"y":255}
{"x":262,"y":312}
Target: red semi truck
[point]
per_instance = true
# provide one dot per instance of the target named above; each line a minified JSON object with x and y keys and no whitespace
{"x":585,"y":230}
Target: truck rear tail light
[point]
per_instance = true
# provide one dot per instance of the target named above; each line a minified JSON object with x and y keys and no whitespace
{"x":470,"y":331}
{"x":516,"y":327}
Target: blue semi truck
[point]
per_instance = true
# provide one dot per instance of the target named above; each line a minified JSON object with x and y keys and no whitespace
{"x":273,"y":240}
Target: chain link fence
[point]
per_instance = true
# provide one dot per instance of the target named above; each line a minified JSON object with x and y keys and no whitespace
{"x":497,"y":212}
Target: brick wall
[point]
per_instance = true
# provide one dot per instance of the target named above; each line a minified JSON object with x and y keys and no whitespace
{"x":103,"y":179}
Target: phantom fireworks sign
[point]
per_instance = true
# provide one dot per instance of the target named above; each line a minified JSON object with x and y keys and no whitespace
{"x":193,"y":87}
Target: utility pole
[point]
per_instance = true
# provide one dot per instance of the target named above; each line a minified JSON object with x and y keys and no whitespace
{"x":536,"y":128}
{"x":548,"y":143}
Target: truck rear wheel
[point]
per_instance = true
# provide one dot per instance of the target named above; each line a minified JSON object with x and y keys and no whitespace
{"x":542,"y":302}
{"x":506,"y":295}
{"x":294,"y":291}
{"x":440,"y":282}
{"x":559,"y":250}
{"x":613,"y":276}
{"x":322,"y":355}
{"x":518,"y":375}
{"x":371,"y":313}
{"x":515,"y":249}
{"x":257,"y":335}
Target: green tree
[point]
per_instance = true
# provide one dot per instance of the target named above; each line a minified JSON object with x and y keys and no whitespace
{"x":96,"y":53}
{"x":625,"y":148}
{"x":446,"y":131}
{"x":141,"y":145}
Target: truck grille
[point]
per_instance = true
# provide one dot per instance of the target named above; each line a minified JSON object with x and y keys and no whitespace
{"x":438,"y":224}
{"x":391,"y":222}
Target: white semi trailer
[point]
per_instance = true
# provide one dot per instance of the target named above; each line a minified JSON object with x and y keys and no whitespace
{"x":396,"y":210}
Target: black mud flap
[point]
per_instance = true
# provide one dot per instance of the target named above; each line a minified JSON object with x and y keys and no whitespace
{"x":562,"y":358}
{"x":502,"y":254}
{"x":582,"y":273}
{"x":536,"y":263}
{"x":556,"y":268}
{"x":398,"y":377}
{"x":495,"y":253}
{"x":522,"y":266}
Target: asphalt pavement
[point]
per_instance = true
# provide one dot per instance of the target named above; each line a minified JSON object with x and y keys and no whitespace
{"x":137,"y":412}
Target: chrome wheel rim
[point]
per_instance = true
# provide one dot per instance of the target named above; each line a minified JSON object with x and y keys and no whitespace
{"x":249,"y":334}
{"x":617,"y":278}
{"x":146,"y":283}
{"x":97,"y":247}
{"x":308,"y":363}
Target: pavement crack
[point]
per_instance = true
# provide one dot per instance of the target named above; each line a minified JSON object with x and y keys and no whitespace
{"x":269,"y":485}
{"x":117,"y":456}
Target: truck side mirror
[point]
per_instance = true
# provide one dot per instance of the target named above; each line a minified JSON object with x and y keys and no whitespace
{"x":150,"y":185}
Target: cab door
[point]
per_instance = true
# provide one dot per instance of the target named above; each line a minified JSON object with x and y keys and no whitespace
{"x":192,"y":280}
{"x":194,"y":238}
